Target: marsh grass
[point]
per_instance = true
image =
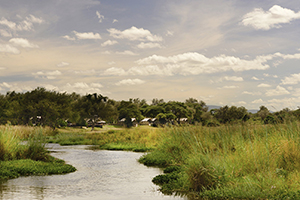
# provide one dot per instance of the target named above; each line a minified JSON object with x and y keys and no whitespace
{"x":22,"y":152}
{"x":234,"y":161}
{"x":138,"y":139}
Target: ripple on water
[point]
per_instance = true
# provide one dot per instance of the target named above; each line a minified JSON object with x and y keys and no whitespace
{"x":109,"y":175}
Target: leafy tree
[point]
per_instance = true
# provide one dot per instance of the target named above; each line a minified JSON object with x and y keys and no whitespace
{"x":164,"y":118}
{"x":227,"y":114}
{"x":129,"y":110}
{"x":93,"y":107}
{"x":263,"y":112}
{"x":197,"y":108}
{"x":153,"y":110}
{"x":157,"y":101}
{"x":179,"y":109}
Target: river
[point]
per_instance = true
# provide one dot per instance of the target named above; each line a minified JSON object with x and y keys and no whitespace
{"x":107,"y":175}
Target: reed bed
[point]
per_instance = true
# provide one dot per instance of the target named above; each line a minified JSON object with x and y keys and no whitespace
{"x":22,"y":152}
{"x":232,"y":161}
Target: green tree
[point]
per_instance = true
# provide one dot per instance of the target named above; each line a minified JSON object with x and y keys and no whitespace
{"x":129,"y":110}
{"x":93,"y":107}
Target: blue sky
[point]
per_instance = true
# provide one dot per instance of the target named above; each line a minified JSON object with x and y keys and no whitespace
{"x":242,"y":53}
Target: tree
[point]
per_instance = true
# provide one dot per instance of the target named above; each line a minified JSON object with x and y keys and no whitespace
{"x":129,"y":110}
{"x":93,"y":107}
{"x":197,"y":108}
{"x":157,"y":101}
{"x":263,"y":112}
{"x":179,"y":109}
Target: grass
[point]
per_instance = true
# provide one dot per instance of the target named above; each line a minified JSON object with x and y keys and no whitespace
{"x":230,"y":162}
{"x":138,"y":139}
{"x":22,"y":152}
{"x":242,"y":161}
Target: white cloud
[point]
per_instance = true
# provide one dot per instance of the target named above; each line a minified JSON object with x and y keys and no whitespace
{"x":15,"y":87}
{"x":264,"y":85}
{"x":115,"y":20}
{"x":91,"y":71}
{"x":8,"y":49}
{"x":114,"y":71}
{"x":100,"y":17}
{"x":229,"y":87}
{"x":68,"y":37}
{"x":292,"y":80}
{"x":96,"y":85}
{"x":254,"y":78}
{"x":251,"y":93}
{"x":47,"y":75}
{"x":4,"y":84}
{"x":26,"y":24}
{"x":109,"y":43}
{"x":5,"y":33}
{"x":240,"y":103}
{"x":82,"y":88}
{"x":34,"y":19}
{"x":193,"y":63}
{"x":127,"y":52}
{"x":229,"y":78}
{"x":63,"y":64}
{"x":134,"y":33}
{"x":258,"y":101}
{"x":265,"y":20}
{"x":130,"y":82}
{"x":233,"y":78}
{"x":9,"y":24}
{"x":86,"y":36}
{"x":22,"y":43}
{"x":111,"y":63}
{"x":148,"y":45}
{"x":268,"y":75}
{"x":169,"y":33}
{"x":278,"y":91}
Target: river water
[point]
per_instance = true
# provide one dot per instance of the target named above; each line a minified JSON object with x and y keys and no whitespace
{"x":107,"y":175}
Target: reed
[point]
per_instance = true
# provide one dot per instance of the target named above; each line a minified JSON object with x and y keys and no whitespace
{"x":233,"y":161}
{"x":22,"y":152}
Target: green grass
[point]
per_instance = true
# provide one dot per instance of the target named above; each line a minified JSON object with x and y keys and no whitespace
{"x":26,"y":167}
{"x":231,"y":162}
{"x":138,"y":139}
{"x":22,"y":153}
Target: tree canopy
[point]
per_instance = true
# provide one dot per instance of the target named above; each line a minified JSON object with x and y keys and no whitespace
{"x":54,"y":109}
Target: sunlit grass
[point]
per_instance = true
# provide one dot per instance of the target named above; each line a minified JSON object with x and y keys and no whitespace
{"x":234,"y":161}
{"x":22,"y":152}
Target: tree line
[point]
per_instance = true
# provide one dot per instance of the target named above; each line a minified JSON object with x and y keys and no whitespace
{"x":54,"y":109}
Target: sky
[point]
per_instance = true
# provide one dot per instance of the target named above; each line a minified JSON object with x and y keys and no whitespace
{"x":223,"y":52}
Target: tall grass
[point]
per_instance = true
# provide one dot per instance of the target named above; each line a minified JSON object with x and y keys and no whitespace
{"x":135,"y":139}
{"x":234,"y":161}
{"x":22,"y":152}
{"x":12,"y":146}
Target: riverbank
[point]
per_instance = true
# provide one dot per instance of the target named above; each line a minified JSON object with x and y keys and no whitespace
{"x":229,"y":162}
{"x":138,"y":139}
{"x":241,"y":161}
{"x":23,"y":153}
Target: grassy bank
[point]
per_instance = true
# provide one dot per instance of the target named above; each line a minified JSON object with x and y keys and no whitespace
{"x":139,"y":139}
{"x":22,"y":152}
{"x":230,"y":162}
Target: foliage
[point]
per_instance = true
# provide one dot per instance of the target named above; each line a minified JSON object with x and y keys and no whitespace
{"x":244,"y":161}
{"x":22,"y":158}
{"x":54,"y":109}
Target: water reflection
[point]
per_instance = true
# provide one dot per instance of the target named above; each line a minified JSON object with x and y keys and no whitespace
{"x":109,"y":175}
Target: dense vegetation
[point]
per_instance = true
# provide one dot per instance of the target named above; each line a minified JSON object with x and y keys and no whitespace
{"x":22,"y":152}
{"x":229,"y":162}
{"x":223,"y":153}
{"x":54,"y":109}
